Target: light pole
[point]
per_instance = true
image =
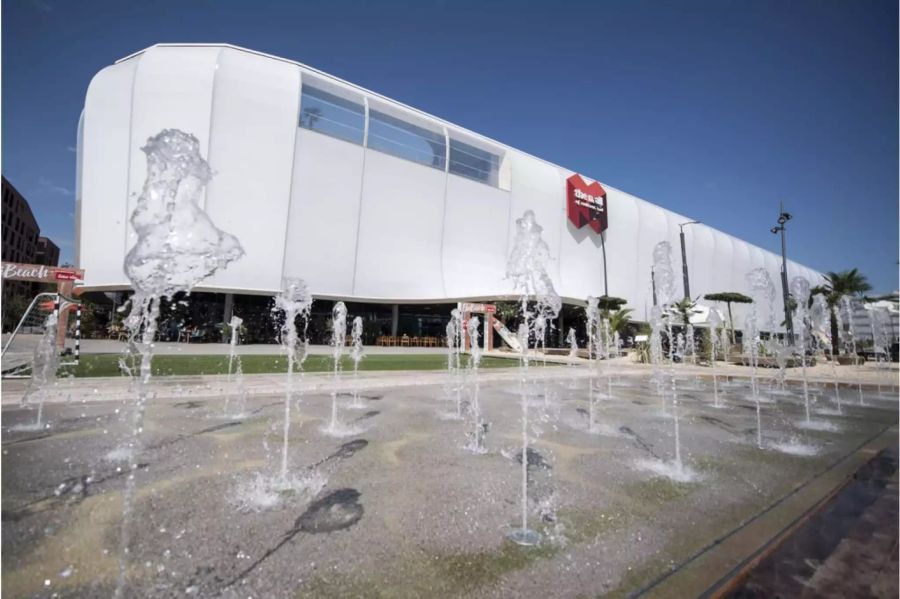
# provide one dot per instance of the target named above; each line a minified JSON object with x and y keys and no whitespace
{"x":783,"y":218}
{"x":684,"y":268}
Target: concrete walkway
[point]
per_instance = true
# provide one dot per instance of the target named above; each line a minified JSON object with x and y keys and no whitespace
{"x":115,"y":388}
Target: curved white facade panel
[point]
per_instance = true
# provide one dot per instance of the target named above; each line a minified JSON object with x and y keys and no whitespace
{"x":353,"y":217}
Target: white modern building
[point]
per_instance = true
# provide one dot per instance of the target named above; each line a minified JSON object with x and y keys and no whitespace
{"x":362,"y":196}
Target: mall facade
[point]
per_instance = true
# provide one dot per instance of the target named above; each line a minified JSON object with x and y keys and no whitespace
{"x":367,"y":199}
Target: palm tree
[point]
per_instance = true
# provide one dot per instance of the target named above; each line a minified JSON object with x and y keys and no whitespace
{"x":684,"y":308}
{"x":729,"y":297}
{"x":618,"y":321}
{"x":837,"y":285}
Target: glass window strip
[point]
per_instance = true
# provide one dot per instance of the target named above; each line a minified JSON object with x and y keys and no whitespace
{"x":468,"y":167}
{"x":312,"y":125}
{"x":336,"y":101}
{"x":405,"y":126}
{"x":428,"y":158}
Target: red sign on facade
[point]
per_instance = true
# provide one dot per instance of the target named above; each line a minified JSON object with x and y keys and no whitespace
{"x":586,"y":204}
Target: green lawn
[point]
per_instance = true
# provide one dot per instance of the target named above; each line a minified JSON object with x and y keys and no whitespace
{"x":108,"y":364}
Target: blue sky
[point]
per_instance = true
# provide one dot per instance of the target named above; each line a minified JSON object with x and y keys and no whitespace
{"x":716,"y":109}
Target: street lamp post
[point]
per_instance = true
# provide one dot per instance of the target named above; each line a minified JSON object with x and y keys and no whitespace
{"x":783,"y":218}
{"x":684,"y":266}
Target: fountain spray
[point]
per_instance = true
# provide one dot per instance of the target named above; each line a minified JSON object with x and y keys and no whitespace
{"x":763,"y":290}
{"x":714,"y":322}
{"x":477,"y":443}
{"x":800,"y":291}
{"x":338,"y":341}
{"x":527,"y":268}
{"x":44,"y":365}
{"x":573,"y":346}
{"x":454,"y":348}
{"x":665,"y":293}
{"x":236,"y":370}
{"x":356,"y":354}
{"x":847,"y":304}
{"x":820,"y":319}
{"x":592,"y":317}
{"x":294,"y":301}
{"x":177,"y":247}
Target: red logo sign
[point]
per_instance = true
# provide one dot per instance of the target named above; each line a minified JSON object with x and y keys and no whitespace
{"x":586,"y":204}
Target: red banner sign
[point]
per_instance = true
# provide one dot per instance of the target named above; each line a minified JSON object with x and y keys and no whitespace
{"x":39,"y":273}
{"x":586,"y":204}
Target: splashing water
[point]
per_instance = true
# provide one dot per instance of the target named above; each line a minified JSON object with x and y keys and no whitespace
{"x":454,"y":349}
{"x":820,"y":318}
{"x":177,"y":247}
{"x":657,"y":323}
{"x":665,"y":293}
{"x":607,"y":354}
{"x":847,"y":304}
{"x":762,"y":290}
{"x":45,"y":363}
{"x":690,"y":346}
{"x":338,"y":341}
{"x":880,"y":322}
{"x":527,"y":268}
{"x":294,"y":301}
{"x":572,"y":341}
{"x":592,"y":319}
{"x":356,"y":354}
{"x":714,"y":323}
{"x":800,"y":291}
{"x":236,"y":370}
{"x":476,"y":444}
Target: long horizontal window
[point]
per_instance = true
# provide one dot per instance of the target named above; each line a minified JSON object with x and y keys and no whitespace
{"x":468,"y":161}
{"x":332,"y":115}
{"x":405,"y":140}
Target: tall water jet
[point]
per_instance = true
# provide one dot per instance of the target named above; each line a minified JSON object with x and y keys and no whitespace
{"x":527,"y":268}
{"x":690,"y":344}
{"x":454,"y":349}
{"x":338,"y":341}
{"x":820,"y":318}
{"x":476,"y":444}
{"x":235,"y":372}
{"x":356,"y":354}
{"x":657,"y":323}
{"x":665,"y":292}
{"x":294,"y":301}
{"x":880,"y":322}
{"x":763,"y":291}
{"x":847,"y":304}
{"x":607,"y":354}
{"x":177,"y":247}
{"x":592,"y":318}
{"x":572,"y":341}
{"x":714,"y":323}
{"x":800,"y":291}
{"x":44,"y":364}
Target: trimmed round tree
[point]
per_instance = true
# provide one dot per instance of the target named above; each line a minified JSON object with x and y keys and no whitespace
{"x":729,"y":297}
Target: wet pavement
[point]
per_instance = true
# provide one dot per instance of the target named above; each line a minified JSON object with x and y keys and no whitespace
{"x":848,"y":548}
{"x":398,"y":506}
